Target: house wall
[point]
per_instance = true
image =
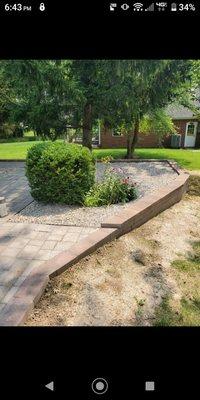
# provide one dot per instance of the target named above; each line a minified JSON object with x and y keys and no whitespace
{"x":144,"y":140}
{"x":181,"y":125}
{"x":110,"y":141}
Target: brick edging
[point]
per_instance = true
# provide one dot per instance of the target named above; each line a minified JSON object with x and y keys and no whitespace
{"x":12,"y":160}
{"x":136,"y":160}
{"x":149,"y":206}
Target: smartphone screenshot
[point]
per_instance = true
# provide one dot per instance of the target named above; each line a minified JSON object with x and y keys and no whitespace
{"x":99,"y":199}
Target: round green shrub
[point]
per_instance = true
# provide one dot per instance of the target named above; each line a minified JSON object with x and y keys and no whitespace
{"x":60,"y":172}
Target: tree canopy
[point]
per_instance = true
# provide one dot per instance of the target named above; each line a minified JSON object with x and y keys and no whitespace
{"x":51,"y":96}
{"x":45,"y":95}
{"x":141,"y":87}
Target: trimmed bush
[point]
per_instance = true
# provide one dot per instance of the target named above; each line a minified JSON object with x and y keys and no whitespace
{"x":60,"y":172}
{"x":111,"y":190}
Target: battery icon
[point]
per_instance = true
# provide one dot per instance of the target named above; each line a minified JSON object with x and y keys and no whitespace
{"x":173,"y":7}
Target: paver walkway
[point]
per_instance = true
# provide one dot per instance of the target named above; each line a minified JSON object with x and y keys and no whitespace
{"x":24,"y":247}
{"x":14,"y":186}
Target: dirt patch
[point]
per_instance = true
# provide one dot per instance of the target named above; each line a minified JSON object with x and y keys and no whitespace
{"x":125,"y":281}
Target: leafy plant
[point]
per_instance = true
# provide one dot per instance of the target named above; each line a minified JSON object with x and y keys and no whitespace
{"x":60,"y":172}
{"x":140,"y":302}
{"x":111,"y":190}
{"x":106,"y":159}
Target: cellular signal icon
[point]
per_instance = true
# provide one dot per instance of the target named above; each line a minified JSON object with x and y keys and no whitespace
{"x":150,"y":8}
{"x":138,"y":7}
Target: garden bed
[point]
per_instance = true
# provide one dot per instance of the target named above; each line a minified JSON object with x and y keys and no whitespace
{"x":148,"y":176}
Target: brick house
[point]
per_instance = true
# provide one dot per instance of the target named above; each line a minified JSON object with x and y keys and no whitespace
{"x":184,"y":119}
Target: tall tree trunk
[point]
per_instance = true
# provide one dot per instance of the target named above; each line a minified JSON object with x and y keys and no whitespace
{"x":87,"y":126}
{"x":132,"y":139}
{"x":129,"y":142}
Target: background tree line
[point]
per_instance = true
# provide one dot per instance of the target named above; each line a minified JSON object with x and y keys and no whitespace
{"x":54,"y":97}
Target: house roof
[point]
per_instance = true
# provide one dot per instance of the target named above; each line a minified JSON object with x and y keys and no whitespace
{"x":177,"y":111}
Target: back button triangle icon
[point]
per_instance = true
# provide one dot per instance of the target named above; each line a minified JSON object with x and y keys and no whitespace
{"x":50,"y":386}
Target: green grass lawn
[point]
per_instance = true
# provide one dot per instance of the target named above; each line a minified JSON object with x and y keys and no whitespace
{"x":188,"y":159}
{"x":18,"y":151}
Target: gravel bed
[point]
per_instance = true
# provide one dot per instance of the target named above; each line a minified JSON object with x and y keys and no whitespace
{"x":148,"y":176}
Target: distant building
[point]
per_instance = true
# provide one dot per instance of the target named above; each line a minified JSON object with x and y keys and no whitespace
{"x":184,"y":119}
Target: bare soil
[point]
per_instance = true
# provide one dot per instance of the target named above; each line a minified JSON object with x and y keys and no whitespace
{"x":124,"y":282}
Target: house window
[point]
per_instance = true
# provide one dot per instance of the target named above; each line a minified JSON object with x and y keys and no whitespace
{"x":117,"y":134}
{"x":191,"y":129}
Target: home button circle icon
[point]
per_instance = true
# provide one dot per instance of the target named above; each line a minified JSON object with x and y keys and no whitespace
{"x":100,"y":386}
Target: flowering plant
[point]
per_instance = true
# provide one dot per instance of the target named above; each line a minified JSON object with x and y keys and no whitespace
{"x":111,"y":190}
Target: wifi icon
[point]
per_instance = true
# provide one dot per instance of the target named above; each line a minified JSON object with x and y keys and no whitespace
{"x":138,"y":7}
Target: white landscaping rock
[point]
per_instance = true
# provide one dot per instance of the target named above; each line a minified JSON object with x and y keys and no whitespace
{"x":148,"y":176}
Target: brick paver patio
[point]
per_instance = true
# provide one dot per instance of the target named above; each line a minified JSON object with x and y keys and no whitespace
{"x":24,"y":247}
{"x":14,"y":186}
